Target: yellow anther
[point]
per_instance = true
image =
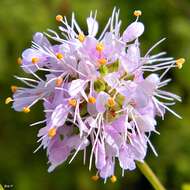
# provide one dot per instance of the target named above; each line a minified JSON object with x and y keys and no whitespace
{"x":13,"y":88}
{"x":26,"y":109}
{"x":113,"y":179}
{"x":137,"y":13}
{"x":81,"y":37}
{"x":35,"y":60}
{"x":8,"y":100}
{"x":19,"y":61}
{"x":180,"y":62}
{"x":92,"y":100}
{"x":102,"y":61}
{"x":59,"y":81}
{"x":100,"y":47}
{"x":52,"y":132}
{"x":72,"y":102}
{"x":59,"y":18}
{"x":95,"y":177}
{"x":111,"y":102}
{"x":59,"y":56}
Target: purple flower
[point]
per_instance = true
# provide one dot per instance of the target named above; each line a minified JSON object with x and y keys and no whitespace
{"x":96,"y":93}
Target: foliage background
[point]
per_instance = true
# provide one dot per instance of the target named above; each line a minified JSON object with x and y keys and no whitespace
{"x":19,"y":19}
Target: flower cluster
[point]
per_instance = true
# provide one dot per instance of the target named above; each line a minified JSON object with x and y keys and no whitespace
{"x":95,"y":93}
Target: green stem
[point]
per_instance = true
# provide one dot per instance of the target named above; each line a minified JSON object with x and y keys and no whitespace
{"x":149,"y":174}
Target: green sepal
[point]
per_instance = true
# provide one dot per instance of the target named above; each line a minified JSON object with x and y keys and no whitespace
{"x":83,"y":110}
{"x":99,"y":85}
{"x":61,"y":137}
{"x":127,"y":76}
{"x":103,"y":70}
{"x":130,"y":77}
{"x":113,"y":67}
{"x":120,"y":99}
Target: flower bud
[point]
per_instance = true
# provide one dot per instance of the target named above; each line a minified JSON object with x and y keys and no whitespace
{"x":133,"y":31}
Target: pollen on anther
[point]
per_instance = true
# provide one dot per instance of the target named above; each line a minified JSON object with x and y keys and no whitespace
{"x":113,"y":179}
{"x":111,"y":102}
{"x":92,"y":100}
{"x":52,"y":132}
{"x":8,"y":100}
{"x":13,"y":88}
{"x":137,"y":13}
{"x":100,"y":47}
{"x":26,"y":109}
{"x":19,"y":61}
{"x":180,"y":62}
{"x":35,"y":60}
{"x":102,"y":61}
{"x":59,"y":81}
{"x":95,"y":178}
{"x":72,"y":102}
{"x":59,"y":56}
{"x":59,"y":18}
{"x":81,"y":37}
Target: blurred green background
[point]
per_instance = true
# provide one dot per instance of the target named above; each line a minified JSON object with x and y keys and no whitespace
{"x":19,"y":19}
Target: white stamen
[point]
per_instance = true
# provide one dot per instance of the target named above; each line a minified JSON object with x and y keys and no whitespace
{"x":155,"y":45}
{"x":151,"y":146}
{"x":161,"y":104}
{"x":38,"y":122}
